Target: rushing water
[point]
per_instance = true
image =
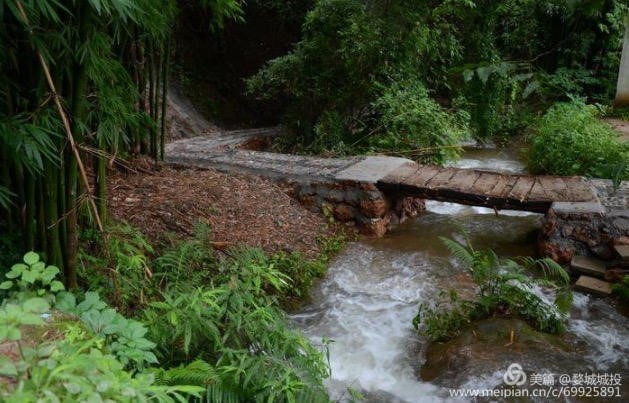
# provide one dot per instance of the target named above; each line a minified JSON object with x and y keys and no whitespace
{"x":372,"y":291}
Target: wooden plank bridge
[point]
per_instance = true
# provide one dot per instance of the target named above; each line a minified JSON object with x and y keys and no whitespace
{"x":485,"y":188}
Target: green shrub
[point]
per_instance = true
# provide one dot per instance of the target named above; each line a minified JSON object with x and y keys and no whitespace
{"x":349,"y":52}
{"x":502,"y":288}
{"x":415,"y":125}
{"x":191,"y":261}
{"x":570,"y":139}
{"x":241,"y":337}
{"x":99,"y":358}
{"x":120,"y":271}
{"x":621,"y":289}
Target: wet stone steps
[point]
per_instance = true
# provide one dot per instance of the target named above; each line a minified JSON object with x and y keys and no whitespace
{"x":589,"y":266}
{"x":622,"y":251}
{"x":593,"y":286}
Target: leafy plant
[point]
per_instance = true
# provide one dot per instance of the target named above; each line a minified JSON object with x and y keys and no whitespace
{"x":76,"y":364}
{"x":188,"y":262}
{"x":32,"y":278}
{"x":621,"y":289}
{"x":571,"y":140}
{"x":503,"y":288}
{"x":415,"y":125}
{"x":119,"y":270}
{"x":236,"y":328}
{"x":123,"y":337}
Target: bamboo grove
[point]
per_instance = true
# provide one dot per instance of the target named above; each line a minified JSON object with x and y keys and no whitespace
{"x":102,"y":65}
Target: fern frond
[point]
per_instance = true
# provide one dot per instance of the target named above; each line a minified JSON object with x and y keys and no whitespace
{"x":198,"y":373}
{"x":460,"y":252}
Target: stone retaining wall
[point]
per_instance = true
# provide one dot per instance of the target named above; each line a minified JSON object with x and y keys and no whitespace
{"x":583,"y":229}
{"x":361,"y":204}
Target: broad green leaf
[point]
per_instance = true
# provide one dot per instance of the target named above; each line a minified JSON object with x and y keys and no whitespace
{"x":14,"y":334}
{"x":31,"y":319}
{"x":49,"y":273}
{"x":5,"y":285}
{"x":31,"y":258}
{"x":484,"y":73}
{"x":530,"y":88}
{"x":16,"y":270}
{"x":7,"y":368}
{"x":29,"y":276}
{"x":57,"y":286}
{"x":72,"y":387}
{"x":66,"y":302}
{"x":36,"y":305}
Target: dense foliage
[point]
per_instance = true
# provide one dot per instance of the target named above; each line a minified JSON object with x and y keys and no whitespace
{"x":503,"y":288}
{"x":225,"y":338}
{"x":570,"y":139}
{"x":344,"y":82}
{"x":81,"y":83}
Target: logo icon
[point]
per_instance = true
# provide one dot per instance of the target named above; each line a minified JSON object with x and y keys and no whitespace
{"x":515,"y":375}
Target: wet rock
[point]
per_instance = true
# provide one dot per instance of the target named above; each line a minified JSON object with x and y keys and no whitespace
{"x":376,"y":227}
{"x":491,"y":346}
{"x":570,"y":230}
{"x":622,"y":251}
{"x":623,"y":240}
{"x":409,"y":207}
{"x":344,"y":213}
{"x":589,"y":266}
{"x":374,"y":208}
{"x":592,"y":285}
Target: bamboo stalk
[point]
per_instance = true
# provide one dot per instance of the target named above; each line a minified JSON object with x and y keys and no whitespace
{"x":29,"y":212}
{"x":66,"y":126}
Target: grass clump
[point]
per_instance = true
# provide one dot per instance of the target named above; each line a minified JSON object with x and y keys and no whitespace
{"x":621,"y":289}
{"x":503,"y":288}
{"x":570,"y":139}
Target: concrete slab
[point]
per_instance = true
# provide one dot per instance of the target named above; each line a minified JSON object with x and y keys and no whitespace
{"x":593,"y":285}
{"x":578,"y":208}
{"x":371,"y":169}
{"x":588,"y":265}
{"x":623,"y":251}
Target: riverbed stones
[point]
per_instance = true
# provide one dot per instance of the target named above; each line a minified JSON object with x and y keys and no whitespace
{"x":588,"y":265}
{"x":593,"y":286}
{"x":622,"y":251}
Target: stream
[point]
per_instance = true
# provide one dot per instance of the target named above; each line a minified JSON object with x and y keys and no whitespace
{"x":373,"y":289}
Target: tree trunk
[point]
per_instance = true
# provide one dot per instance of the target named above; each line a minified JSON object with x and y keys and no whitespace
{"x":622,"y":89}
{"x":162,"y":140}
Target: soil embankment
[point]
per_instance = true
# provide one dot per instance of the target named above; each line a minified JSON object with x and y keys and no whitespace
{"x":239,"y":209}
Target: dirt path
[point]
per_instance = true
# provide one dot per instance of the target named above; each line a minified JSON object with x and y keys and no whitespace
{"x":621,"y":126}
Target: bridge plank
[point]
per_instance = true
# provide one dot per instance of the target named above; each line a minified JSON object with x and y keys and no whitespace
{"x":504,"y":184}
{"x":522,"y":188}
{"x":485,"y":183}
{"x":442,"y":179}
{"x":538,"y":192}
{"x":401,"y":174}
{"x":555,"y":188}
{"x":422,"y":176}
{"x":464,"y":179}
